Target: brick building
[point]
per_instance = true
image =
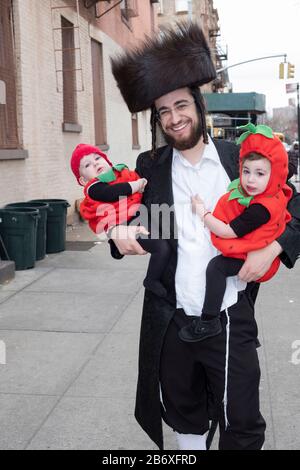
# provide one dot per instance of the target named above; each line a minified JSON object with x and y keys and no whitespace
{"x":203,"y":11}
{"x":57,"y":90}
{"x":52,"y":99}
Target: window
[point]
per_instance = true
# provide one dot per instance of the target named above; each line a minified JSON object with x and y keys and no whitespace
{"x":160,"y":9}
{"x":8,"y":102}
{"x":181,"y":6}
{"x":99,"y":95}
{"x":69,"y":72}
{"x":135,"y":131}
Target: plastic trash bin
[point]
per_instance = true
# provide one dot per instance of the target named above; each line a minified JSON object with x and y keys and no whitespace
{"x":18,"y":228}
{"x":41,"y":226}
{"x":56,"y":224}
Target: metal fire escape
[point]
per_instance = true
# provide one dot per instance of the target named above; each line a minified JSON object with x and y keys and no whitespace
{"x":128,"y":7}
{"x":220,"y":56}
{"x":57,"y":30}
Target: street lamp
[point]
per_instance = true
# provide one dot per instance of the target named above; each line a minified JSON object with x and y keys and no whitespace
{"x":251,"y":60}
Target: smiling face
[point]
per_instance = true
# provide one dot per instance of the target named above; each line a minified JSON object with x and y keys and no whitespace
{"x":179,"y":120}
{"x":255,"y":175}
{"x":91,"y":166}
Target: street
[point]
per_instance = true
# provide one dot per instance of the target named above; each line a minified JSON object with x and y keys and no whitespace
{"x":70,"y":328}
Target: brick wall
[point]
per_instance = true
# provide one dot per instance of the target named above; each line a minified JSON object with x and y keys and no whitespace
{"x":46,"y":173}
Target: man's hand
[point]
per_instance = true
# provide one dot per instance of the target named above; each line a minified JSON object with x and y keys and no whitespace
{"x":258,"y":262}
{"x":198,"y":206}
{"x":124,"y":238}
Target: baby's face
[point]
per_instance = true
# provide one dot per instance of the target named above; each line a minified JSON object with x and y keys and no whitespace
{"x":91,"y":166}
{"x":255,"y":176}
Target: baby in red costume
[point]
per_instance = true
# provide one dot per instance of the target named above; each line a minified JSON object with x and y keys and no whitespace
{"x":249,"y":217}
{"x":113,"y":194}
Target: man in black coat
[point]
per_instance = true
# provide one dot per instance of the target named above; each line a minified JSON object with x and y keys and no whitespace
{"x":294,"y":156}
{"x":188,"y":384}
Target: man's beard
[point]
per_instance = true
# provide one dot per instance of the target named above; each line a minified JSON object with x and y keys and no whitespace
{"x":185,"y":144}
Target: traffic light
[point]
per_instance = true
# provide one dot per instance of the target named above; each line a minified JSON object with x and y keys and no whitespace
{"x":291,"y":70}
{"x":281,"y":70}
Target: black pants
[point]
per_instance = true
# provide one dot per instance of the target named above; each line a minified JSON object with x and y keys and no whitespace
{"x":190,"y":372}
{"x":160,"y":252}
{"x":218,"y":269}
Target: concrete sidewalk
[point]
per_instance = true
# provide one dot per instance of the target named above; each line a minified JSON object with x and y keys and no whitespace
{"x":70,"y":328}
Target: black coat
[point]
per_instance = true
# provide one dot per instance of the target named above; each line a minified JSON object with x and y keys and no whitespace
{"x":157,"y":312}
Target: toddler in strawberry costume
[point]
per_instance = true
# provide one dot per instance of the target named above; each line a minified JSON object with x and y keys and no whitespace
{"x":248,"y":217}
{"x":113,"y":194}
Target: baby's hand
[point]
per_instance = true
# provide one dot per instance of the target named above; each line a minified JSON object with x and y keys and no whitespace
{"x":142,"y":184}
{"x":198,"y":206}
{"x":138,"y":186}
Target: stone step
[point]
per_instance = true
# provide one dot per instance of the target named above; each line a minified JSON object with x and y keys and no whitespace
{"x":7,"y":271}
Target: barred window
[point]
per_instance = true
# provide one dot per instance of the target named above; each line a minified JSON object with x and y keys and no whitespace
{"x":181,"y":6}
{"x":69,"y":72}
{"x":8,"y":102}
{"x":160,"y":7}
{"x":98,"y":93}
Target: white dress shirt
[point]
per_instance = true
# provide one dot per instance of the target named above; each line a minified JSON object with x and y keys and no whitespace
{"x":209,"y":179}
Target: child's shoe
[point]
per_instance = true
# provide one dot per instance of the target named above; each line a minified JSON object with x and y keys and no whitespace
{"x":199,"y":330}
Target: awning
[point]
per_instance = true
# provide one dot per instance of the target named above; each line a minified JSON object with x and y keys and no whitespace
{"x":235,"y":103}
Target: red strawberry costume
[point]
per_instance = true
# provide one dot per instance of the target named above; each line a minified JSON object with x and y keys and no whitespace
{"x":111,"y":199}
{"x":102,"y":215}
{"x":274,"y":198}
{"x":264,"y":217}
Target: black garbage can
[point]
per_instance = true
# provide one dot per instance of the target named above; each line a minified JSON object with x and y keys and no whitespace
{"x":56,"y":224}
{"x":41,"y":226}
{"x":18,"y":228}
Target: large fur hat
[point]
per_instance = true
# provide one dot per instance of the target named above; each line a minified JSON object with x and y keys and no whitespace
{"x":175,"y":58}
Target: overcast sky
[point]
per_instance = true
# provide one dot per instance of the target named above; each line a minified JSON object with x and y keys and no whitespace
{"x":259,"y":28}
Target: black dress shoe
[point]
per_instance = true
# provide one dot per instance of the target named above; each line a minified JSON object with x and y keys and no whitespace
{"x":199,"y":330}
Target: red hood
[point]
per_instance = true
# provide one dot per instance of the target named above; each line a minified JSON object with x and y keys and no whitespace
{"x":275,"y":152}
